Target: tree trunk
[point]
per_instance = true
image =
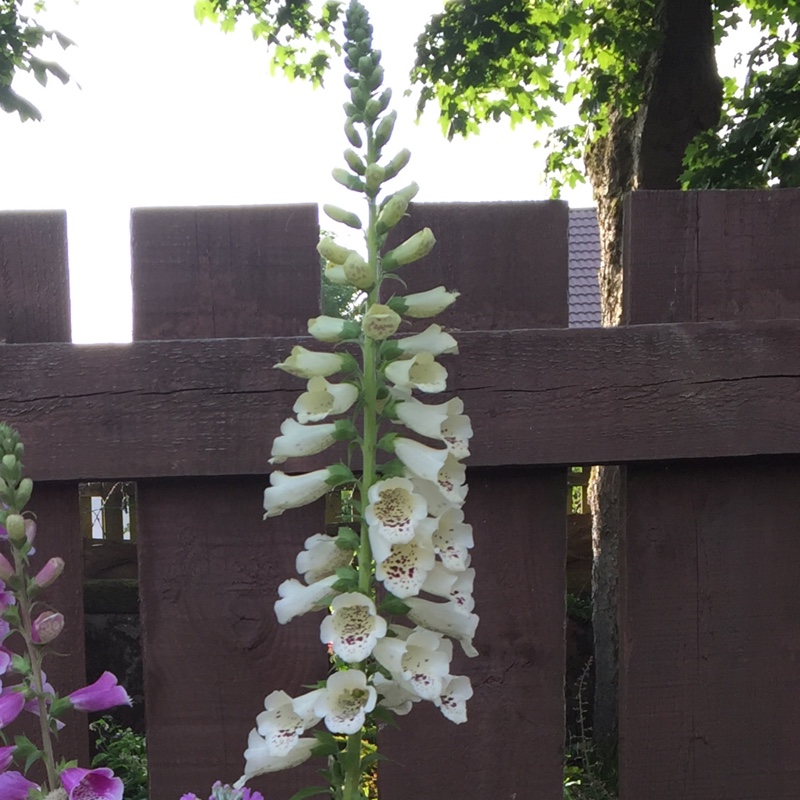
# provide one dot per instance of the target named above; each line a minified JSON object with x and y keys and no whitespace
{"x":683,"y":97}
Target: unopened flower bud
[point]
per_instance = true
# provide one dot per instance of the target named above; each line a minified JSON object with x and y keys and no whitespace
{"x":385,"y":127}
{"x":352,"y":134}
{"x":9,"y":461}
{"x":355,"y":162}
{"x":396,"y":164}
{"x":332,"y":252}
{"x":347,"y":179}
{"x":414,"y":248}
{"x":359,"y":273}
{"x":23,"y":492}
{"x":6,"y":570}
{"x":374,"y":177}
{"x":380,"y":322}
{"x":341,"y":215}
{"x":15,"y":525}
{"x":335,"y":274}
{"x":47,"y":626}
{"x":48,"y":574}
{"x":332,"y":329}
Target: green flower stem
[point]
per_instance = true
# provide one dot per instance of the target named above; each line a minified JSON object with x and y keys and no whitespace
{"x":35,"y":656}
{"x":352,"y":780}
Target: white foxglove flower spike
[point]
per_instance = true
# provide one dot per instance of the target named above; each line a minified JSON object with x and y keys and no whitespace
{"x":394,"y":510}
{"x":321,"y":558}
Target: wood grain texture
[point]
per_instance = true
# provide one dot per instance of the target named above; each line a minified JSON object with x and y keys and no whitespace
{"x":209,"y":569}
{"x":222,"y":272}
{"x":641,"y":393}
{"x":34,"y":280}
{"x":709,"y":622}
{"x":508,"y":260}
{"x":512,"y":745}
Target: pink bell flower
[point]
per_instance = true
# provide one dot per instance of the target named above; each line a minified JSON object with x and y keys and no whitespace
{"x":104,"y":693}
{"x":99,"y":784}
{"x":14,"y":786}
{"x":6,"y":757}
{"x":47,"y":626}
{"x":11,"y":705}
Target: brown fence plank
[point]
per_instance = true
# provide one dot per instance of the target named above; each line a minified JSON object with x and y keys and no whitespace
{"x":506,"y":259}
{"x":709,"y":612}
{"x":510,"y":262}
{"x":34,"y":279}
{"x":512,"y":744}
{"x":224,"y":272}
{"x":213,"y":648}
{"x":672,"y":391}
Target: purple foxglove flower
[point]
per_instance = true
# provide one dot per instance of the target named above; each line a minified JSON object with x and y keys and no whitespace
{"x":47,"y":626}
{"x":6,"y":570}
{"x":14,"y":786}
{"x":98,"y":784}
{"x":6,"y":757}
{"x":104,"y":693}
{"x":49,"y":572}
{"x":11,"y":705}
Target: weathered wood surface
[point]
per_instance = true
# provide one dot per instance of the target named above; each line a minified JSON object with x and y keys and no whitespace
{"x":34,"y":280}
{"x":709,"y":614}
{"x":208,"y":407}
{"x":223,"y":272}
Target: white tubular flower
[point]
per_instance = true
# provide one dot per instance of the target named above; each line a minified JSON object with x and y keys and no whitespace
{"x":420,"y":372}
{"x":423,"y":461}
{"x":298,"y":440}
{"x":321,"y":558}
{"x":332,"y":329}
{"x":451,"y":481}
{"x":258,"y":760}
{"x":346,"y":701}
{"x":445,"y":618}
{"x":322,"y":399}
{"x":443,"y":421}
{"x":455,"y":586}
{"x":394,"y":696}
{"x":420,"y":663}
{"x":424,"y":304}
{"x":297,"y":599}
{"x":380,"y":322}
{"x":353,"y":627}
{"x":394,"y":510}
{"x":453,"y":700}
{"x":404,"y":571}
{"x":281,"y":725}
{"x":453,"y":539}
{"x":437,"y":503}
{"x":293,"y":491}
{"x":307,"y":364}
{"x":335,"y":274}
{"x":432,"y":340}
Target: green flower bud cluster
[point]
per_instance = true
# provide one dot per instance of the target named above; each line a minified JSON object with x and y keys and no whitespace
{"x":15,"y":491}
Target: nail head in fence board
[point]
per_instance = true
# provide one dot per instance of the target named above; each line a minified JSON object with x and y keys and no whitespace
{"x":34,"y":278}
{"x":209,"y":570}
{"x":709,"y":546}
{"x":224,"y":272}
{"x":508,"y":260}
{"x":512,"y":744}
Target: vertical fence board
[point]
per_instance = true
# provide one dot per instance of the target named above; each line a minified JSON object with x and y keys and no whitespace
{"x":709,"y":613}
{"x":34,"y":279}
{"x":35,"y":307}
{"x":510,"y":262}
{"x":209,"y":565}
{"x":224,"y":272}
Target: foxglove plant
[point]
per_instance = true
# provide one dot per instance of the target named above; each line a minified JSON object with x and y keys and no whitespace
{"x":408,"y":537}
{"x":27,"y":623}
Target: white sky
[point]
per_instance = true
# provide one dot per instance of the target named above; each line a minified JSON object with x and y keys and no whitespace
{"x":170,"y":112}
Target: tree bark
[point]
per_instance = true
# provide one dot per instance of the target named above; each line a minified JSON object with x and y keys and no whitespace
{"x":683,"y":97}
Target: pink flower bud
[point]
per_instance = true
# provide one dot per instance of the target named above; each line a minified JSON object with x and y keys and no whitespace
{"x":6,"y":570}
{"x":49,"y":572}
{"x":47,"y":626}
{"x":30,"y":529}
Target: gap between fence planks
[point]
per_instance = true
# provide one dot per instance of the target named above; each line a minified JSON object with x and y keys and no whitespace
{"x":549,"y":396}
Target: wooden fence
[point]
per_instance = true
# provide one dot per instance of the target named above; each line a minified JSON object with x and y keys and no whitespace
{"x":699,"y":396}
